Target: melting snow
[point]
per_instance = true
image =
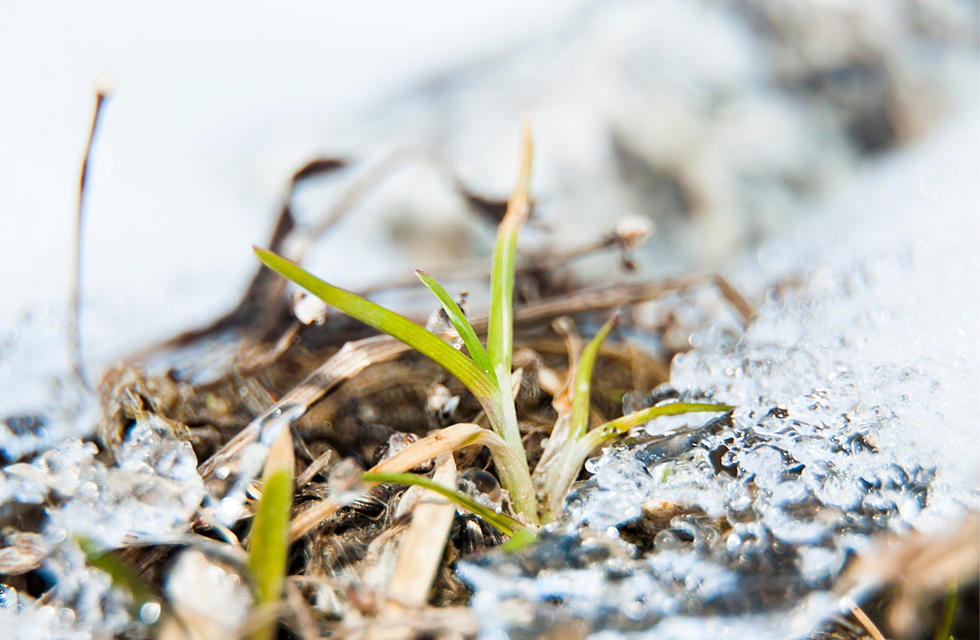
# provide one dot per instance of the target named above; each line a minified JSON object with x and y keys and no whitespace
{"x":855,"y":389}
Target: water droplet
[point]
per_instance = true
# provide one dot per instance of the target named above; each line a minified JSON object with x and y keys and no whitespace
{"x":57,"y":534}
{"x":150,"y":612}
{"x":65,"y":616}
{"x":733,"y":542}
{"x":280,"y":418}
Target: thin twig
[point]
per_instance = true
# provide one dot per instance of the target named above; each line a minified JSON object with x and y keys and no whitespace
{"x":315,"y":467}
{"x":102,"y":93}
{"x":301,"y":612}
{"x":625,"y":294}
{"x":409,"y":562}
{"x":863,"y":618}
{"x":375,"y":175}
{"x":346,"y":363}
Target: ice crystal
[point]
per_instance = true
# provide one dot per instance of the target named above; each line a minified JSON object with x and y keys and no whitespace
{"x":854,"y":409}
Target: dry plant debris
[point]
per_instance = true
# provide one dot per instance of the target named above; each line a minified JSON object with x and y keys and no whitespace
{"x":355,"y":566}
{"x":355,"y":560}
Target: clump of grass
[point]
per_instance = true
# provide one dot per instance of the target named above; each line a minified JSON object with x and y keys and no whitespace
{"x":536,"y":498}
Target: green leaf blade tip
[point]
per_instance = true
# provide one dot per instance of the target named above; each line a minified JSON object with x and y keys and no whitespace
{"x":387,"y":321}
{"x":579,"y":422}
{"x":500,"y":333}
{"x":622,"y":425}
{"x":268,"y":542}
{"x":460,"y":322}
{"x":269,"y":538}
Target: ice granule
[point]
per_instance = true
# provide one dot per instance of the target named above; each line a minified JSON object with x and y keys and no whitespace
{"x":149,"y":497}
{"x":854,"y":391}
{"x":240,"y":473}
{"x":209,"y":593}
{"x":86,"y":594}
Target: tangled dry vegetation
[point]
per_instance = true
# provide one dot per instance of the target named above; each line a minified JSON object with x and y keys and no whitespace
{"x":316,"y":550}
{"x":375,"y":560}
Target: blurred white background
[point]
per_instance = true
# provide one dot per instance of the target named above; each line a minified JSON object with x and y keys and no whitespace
{"x":719,"y":121}
{"x":215,"y":104}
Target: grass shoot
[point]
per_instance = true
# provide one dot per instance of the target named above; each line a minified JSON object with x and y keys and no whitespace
{"x":269,"y":539}
{"x":486,"y":372}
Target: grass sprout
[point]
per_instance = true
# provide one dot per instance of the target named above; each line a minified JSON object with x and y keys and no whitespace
{"x":486,"y":372}
{"x":269,"y":538}
{"x":948,"y":616}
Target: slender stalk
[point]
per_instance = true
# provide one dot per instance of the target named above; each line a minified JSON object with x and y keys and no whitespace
{"x":619,"y":426}
{"x":500,"y":338}
{"x":559,"y":477}
{"x":945,"y":629}
{"x":269,"y":539}
{"x":74,"y":320}
{"x":516,"y":477}
{"x":500,"y":333}
{"x":559,"y":467}
{"x":583,"y":381}
{"x":505,"y":524}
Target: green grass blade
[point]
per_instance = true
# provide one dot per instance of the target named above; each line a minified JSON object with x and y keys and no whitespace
{"x":463,"y":326}
{"x":269,"y":539}
{"x":511,"y":465}
{"x":267,"y":552}
{"x":500,"y":333}
{"x":944,"y":631}
{"x":579,"y":422}
{"x":622,"y":425}
{"x":505,"y":524}
{"x":521,"y":539}
{"x":566,"y":466}
{"x":560,"y":471}
{"x":395,"y":325}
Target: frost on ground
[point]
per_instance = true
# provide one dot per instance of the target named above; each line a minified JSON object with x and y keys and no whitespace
{"x":852,"y":385}
{"x":148,"y":497}
{"x":855,"y":389}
